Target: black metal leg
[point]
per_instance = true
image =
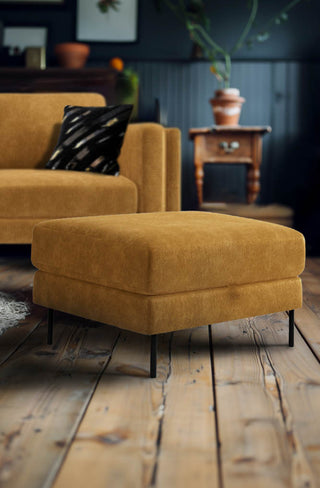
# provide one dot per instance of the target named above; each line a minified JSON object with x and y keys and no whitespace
{"x":291,"y":328}
{"x":153,"y":356}
{"x":50,"y":325}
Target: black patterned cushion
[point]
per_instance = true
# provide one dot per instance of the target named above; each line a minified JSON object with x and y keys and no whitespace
{"x":91,"y":139}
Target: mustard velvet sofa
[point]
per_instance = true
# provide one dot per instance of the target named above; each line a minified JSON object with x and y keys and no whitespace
{"x":149,"y":162}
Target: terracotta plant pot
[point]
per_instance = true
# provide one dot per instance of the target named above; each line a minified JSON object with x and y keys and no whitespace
{"x":72,"y":54}
{"x":226,"y":106}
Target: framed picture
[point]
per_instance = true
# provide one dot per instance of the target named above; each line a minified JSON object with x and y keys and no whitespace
{"x":17,"y":39}
{"x":119,"y":25}
{"x":33,"y":2}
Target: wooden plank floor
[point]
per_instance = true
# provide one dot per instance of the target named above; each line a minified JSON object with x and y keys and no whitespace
{"x":83,"y":412}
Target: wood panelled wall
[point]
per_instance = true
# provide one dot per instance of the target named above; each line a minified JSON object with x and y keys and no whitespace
{"x":281,"y":94}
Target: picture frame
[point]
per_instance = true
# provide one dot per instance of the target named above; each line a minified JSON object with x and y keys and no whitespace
{"x":119,"y":25}
{"x":21,"y":37}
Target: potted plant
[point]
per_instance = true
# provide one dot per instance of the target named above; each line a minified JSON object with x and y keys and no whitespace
{"x":227,"y":102}
{"x":127,"y":88}
{"x":72,"y":55}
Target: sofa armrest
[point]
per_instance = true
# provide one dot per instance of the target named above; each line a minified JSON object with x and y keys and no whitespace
{"x":173,"y":169}
{"x":148,"y":153}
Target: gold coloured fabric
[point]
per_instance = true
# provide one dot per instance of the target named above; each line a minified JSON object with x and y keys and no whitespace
{"x":168,"y":252}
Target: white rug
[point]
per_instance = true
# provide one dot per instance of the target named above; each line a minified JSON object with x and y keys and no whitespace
{"x":11,"y":311}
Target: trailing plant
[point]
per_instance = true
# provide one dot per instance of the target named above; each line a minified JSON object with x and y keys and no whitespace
{"x":193,"y":15}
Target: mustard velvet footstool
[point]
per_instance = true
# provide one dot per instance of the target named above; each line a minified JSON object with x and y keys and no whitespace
{"x":161,"y":272}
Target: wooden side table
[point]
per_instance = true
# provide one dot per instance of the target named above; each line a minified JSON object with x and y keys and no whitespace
{"x":231,"y":145}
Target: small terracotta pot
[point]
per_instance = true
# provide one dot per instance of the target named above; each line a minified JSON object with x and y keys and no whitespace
{"x":72,"y":54}
{"x":226,"y":106}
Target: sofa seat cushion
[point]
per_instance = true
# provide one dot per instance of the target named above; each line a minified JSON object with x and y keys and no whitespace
{"x":39,"y":193}
{"x":168,"y":252}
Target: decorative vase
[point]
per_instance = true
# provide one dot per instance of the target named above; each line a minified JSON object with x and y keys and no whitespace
{"x":226,"y":106}
{"x":72,"y":54}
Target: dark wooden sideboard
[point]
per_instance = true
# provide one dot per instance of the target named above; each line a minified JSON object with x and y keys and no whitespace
{"x":26,"y":80}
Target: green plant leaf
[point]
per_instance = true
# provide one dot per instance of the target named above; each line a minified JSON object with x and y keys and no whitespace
{"x":283,"y":17}
{"x":190,"y":25}
{"x":102,"y":8}
{"x":263,"y":36}
{"x":105,"y":5}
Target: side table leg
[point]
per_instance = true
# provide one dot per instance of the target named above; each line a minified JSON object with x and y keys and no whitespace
{"x":253,"y":170}
{"x":199,"y":174}
{"x":253,"y":184}
{"x":153,"y":356}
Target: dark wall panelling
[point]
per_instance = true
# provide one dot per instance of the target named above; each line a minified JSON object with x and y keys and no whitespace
{"x":277,"y":94}
{"x":184,"y":90}
{"x":279,"y":125}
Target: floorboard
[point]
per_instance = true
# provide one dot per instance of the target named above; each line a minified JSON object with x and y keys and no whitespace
{"x":84,"y":412}
{"x":254,"y":446}
{"x":116,"y":444}
{"x":297,"y":376}
{"x":44,"y":393}
{"x":308,"y":317}
{"x":188,"y":448}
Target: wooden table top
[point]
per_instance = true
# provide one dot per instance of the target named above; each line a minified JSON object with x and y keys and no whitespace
{"x":262,"y":129}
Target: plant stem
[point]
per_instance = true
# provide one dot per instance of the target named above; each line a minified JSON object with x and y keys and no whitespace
{"x":208,"y":39}
{"x":227,"y":58}
{"x":271,"y":21}
{"x":200,"y":33}
{"x":246,"y":30}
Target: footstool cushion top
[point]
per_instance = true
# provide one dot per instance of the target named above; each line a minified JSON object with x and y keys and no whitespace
{"x":169,"y":252}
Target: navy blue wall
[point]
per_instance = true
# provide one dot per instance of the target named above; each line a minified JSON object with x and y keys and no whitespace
{"x":162,"y":37}
{"x":280,"y":80}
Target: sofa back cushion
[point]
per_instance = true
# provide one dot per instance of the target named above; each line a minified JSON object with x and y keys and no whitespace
{"x":30,"y":125}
